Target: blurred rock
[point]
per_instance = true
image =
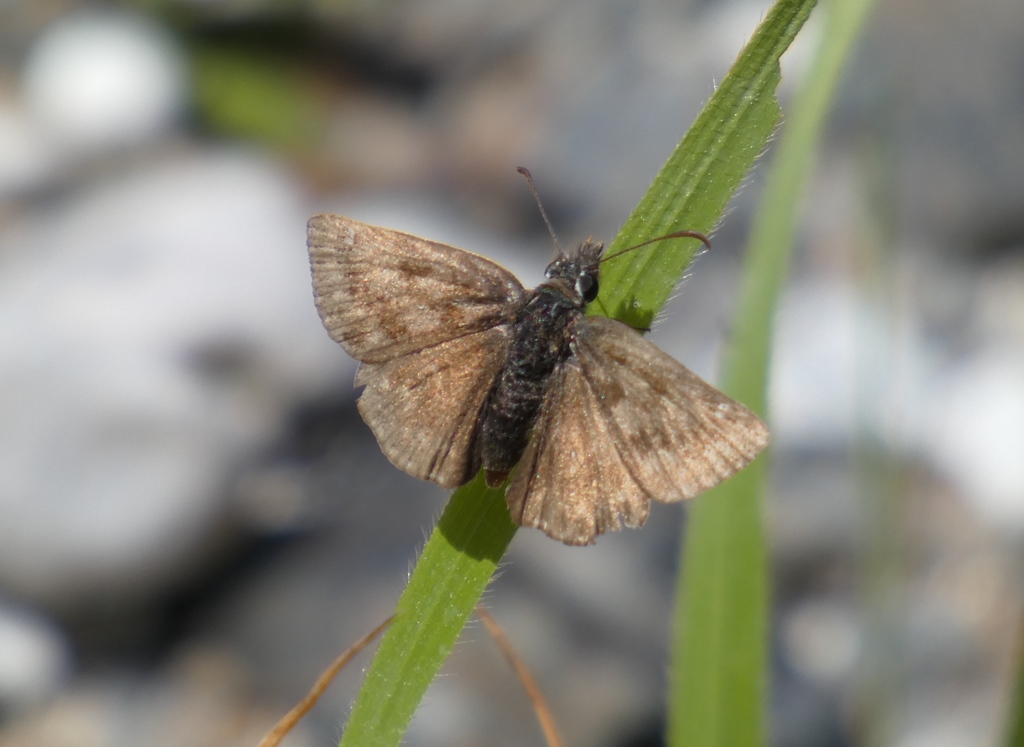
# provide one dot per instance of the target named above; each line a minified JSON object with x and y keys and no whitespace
{"x":156,"y":329}
{"x":35,"y":658}
{"x":822,"y":640}
{"x":979,"y":433}
{"x":944,"y":99}
{"x":204,"y":700}
{"x":98,"y":81}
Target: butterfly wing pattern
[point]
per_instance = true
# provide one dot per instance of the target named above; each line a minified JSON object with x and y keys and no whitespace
{"x":429,"y":324}
{"x":621,"y":423}
{"x":559,"y":486}
{"x":663,"y":434}
{"x":383,"y":293}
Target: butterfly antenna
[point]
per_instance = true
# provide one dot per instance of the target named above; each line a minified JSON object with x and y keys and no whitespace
{"x":529,"y":180}
{"x":677,"y":235}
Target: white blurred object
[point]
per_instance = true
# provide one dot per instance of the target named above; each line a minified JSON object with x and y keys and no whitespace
{"x":814,"y":365}
{"x":96,"y":82}
{"x":35,"y":657}
{"x":153,"y":332}
{"x":822,"y":640}
{"x":979,"y":437}
{"x":840,"y":368}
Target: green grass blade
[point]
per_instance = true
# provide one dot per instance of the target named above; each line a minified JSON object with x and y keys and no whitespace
{"x":720,"y":638}
{"x":700,"y":177}
{"x":457,"y":563}
{"x":690,"y":192}
{"x":1015,"y":723}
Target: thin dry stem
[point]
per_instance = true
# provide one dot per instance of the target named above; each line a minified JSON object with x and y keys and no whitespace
{"x":547,"y":721}
{"x":290,"y":719}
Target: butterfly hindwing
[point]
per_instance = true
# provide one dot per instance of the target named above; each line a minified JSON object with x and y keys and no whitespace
{"x":676,"y":434}
{"x":571,"y":482}
{"x":623,"y":424}
{"x":424,"y":407}
{"x":383,"y":294}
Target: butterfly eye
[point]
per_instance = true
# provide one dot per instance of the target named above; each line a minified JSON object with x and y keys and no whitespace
{"x":586,"y":286}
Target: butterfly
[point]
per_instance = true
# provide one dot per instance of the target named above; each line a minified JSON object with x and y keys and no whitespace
{"x":463,"y":368}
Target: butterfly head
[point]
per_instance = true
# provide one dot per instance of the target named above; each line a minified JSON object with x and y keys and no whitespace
{"x":577,"y":272}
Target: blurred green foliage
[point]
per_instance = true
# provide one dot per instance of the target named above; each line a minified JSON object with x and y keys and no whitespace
{"x":242,"y":93}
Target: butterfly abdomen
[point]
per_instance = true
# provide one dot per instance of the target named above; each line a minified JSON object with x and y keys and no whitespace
{"x":540,"y":341}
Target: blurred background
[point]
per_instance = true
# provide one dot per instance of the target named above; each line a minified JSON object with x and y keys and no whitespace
{"x":193,"y":519}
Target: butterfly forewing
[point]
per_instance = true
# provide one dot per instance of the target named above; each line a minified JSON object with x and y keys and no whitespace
{"x":384,"y":294}
{"x":571,"y":482}
{"x":424,"y":407}
{"x":676,"y":434}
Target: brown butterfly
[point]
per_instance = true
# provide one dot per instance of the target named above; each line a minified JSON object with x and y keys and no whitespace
{"x":463,"y":369}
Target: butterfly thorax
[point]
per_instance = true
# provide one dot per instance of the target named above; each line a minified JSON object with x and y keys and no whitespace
{"x":541,"y":336}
